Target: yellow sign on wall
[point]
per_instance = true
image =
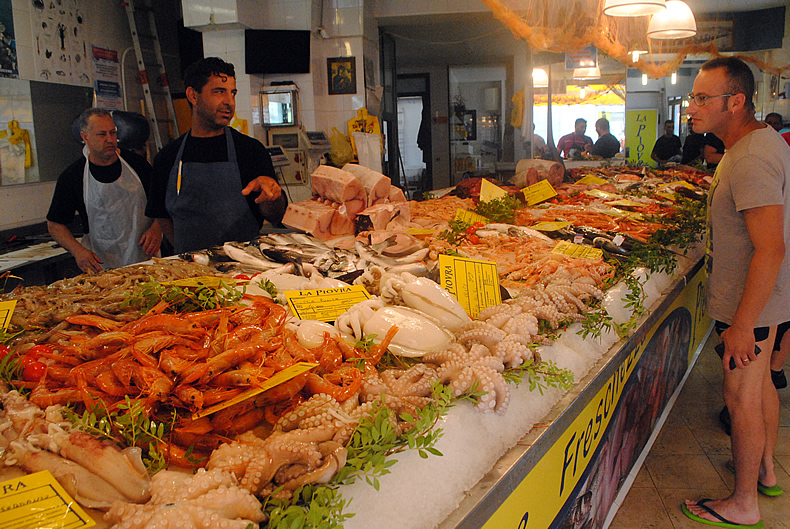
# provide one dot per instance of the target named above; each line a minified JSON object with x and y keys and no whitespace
{"x":640,"y":134}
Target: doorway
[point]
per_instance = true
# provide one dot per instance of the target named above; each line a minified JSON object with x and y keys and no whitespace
{"x":414,"y":129}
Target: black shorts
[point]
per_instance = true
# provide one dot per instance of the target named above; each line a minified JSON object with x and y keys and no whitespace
{"x":781,"y":329}
{"x":760,"y":333}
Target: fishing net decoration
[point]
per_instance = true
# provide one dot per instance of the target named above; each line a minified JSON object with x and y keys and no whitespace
{"x":568,"y":25}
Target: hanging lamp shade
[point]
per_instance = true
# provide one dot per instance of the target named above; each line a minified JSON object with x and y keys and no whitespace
{"x":540,"y":78}
{"x":585,"y":74}
{"x":676,"y":22}
{"x":633,"y":8}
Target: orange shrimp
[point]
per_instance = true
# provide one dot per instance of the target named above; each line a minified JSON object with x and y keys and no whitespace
{"x":340,"y":384}
{"x":175,"y":455}
{"x":92,"y":320}
{"x":213,"y":396}
{"x":189,"y":395}
{"x":284,"y":391}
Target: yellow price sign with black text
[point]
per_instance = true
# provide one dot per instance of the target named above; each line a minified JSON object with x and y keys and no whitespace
{"x":6,"y":311}
{"x":39,"y":501}
{"x":324,"y":304}
{"x":474,"y":283}
{"x":539,"y":192}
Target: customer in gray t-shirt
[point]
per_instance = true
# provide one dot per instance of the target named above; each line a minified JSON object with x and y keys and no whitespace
{"x":748,"y":294}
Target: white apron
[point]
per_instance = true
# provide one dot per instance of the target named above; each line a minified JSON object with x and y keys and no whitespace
{"x":116,"y":216}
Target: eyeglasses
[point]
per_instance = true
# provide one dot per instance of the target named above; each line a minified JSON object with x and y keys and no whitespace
{"x":700,"y":100}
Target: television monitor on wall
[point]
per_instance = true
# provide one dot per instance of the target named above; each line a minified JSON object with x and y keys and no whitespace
{"x":271,"y":51}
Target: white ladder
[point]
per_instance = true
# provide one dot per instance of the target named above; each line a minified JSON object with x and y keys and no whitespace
{"x":151,"y":57}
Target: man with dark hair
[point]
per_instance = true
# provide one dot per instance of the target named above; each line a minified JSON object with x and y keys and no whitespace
{"x":775,"y":120}
{"x":576,"y":141}
{"x":607,"y":145}
{"x":667,"y":148}
{"x":213,"y":184}
{"x":748,"y":288}
{"x":108,"y":187}
{"x":694,"y":146}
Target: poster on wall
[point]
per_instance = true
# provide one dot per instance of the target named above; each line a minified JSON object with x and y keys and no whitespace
{"x":8,"y":61}
{"x":60,"y":47}
{"x":107,"y":78}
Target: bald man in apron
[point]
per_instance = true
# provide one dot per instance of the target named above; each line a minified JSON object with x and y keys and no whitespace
{"x":113,"y":202}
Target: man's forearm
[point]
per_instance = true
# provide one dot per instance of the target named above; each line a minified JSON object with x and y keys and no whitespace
{"x":167,"y":229}
{"x":63,"y":236}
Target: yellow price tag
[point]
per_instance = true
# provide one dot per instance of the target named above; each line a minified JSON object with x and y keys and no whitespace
{"x":666,"y":196}
{"x":677,"y":183}
{"x":6,"y":311}
{"x":324,"y":304}
{"x":600,"y":194}
{"x":39,"y":501}
{"x":539,"y":192}
{"x":474,"y":283}
{"x":489,"y":191}
{"x":591,"y":180}
{"x":421,"y":231}
{"x":470,"y":217}
{"x":550,"y":226}
{"x":577,"y":250}
{"x":275,"y":380}
{"x":625,"y":203}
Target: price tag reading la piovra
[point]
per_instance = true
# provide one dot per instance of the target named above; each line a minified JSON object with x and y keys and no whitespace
{"x":474,"y":283}
{"x":324,"y":304}
{"x":38,"y":500}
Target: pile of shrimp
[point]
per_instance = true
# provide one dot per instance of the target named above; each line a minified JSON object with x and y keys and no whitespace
{"x":189,"y":362}
{"x":103,"y":294}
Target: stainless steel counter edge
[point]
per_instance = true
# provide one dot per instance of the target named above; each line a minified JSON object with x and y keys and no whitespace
{"x":485,"y":497}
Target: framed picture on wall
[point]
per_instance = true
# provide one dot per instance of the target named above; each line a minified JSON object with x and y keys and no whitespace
{"x":342,"y":75}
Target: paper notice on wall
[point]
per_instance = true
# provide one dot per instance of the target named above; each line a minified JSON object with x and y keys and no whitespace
{"x":107,"y":78}
{"x":60,"y":42}
{"x":368,"y":150}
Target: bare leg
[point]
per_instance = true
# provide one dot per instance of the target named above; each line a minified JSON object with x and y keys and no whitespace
{"x":744,"y":394}
{"x":771,"y":418}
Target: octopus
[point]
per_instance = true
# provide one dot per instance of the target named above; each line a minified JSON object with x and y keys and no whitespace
{"x":209,"y":499}
{"x":284,"y":459}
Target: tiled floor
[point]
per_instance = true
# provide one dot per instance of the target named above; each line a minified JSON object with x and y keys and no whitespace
{"x":689,"y":456}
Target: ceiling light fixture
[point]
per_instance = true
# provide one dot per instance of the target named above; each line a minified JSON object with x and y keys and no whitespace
{"x":676,"y":22}
{"x":644,"y":79}
{"x":633,"y":8}
{"x":586,"y":74}
{"x":540,"y":78}
{"x":674,"y":78}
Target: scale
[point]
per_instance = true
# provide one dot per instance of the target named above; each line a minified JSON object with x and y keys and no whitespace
{"x":277,"y":154}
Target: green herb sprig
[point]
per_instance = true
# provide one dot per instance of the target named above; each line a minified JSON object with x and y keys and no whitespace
{"x":456,"y":233}
{"x":540,"y":376}
{"x":500,"y":209}
{"x":183,"y":299}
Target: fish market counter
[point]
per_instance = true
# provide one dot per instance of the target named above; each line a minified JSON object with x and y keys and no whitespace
{"x":559,"y":459}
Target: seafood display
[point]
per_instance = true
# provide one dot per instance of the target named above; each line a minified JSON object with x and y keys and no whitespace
{"x":121,"y":344}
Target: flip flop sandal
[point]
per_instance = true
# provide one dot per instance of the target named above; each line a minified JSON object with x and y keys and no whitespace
{"x":772,"y":491}
{"x":724,"y":522}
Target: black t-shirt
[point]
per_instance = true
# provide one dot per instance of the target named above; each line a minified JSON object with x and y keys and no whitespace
{"x":606,"y":146}
{"x":252,"y":157}
{"x":68,"y":197}
{"x":714,"y":141}
{"x":667,"y":147}
{"x":692,"y":148}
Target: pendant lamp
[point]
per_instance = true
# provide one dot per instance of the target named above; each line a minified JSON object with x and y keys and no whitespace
{"x":633,"y":8}
{"x":586,"y":74}
{"x":676,"y":22}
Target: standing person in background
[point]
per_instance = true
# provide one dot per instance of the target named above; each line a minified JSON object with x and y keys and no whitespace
{"x":714,"y":150}
{"x":775,"y":120}
{"x":576,"y":141}
{"x":213,"y":184}
{"x":668,"y":147}
{"x":607,"y":145}
{"x":748,"y":289}
{"x":694,"y":146}
{"x":108,"y":188}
